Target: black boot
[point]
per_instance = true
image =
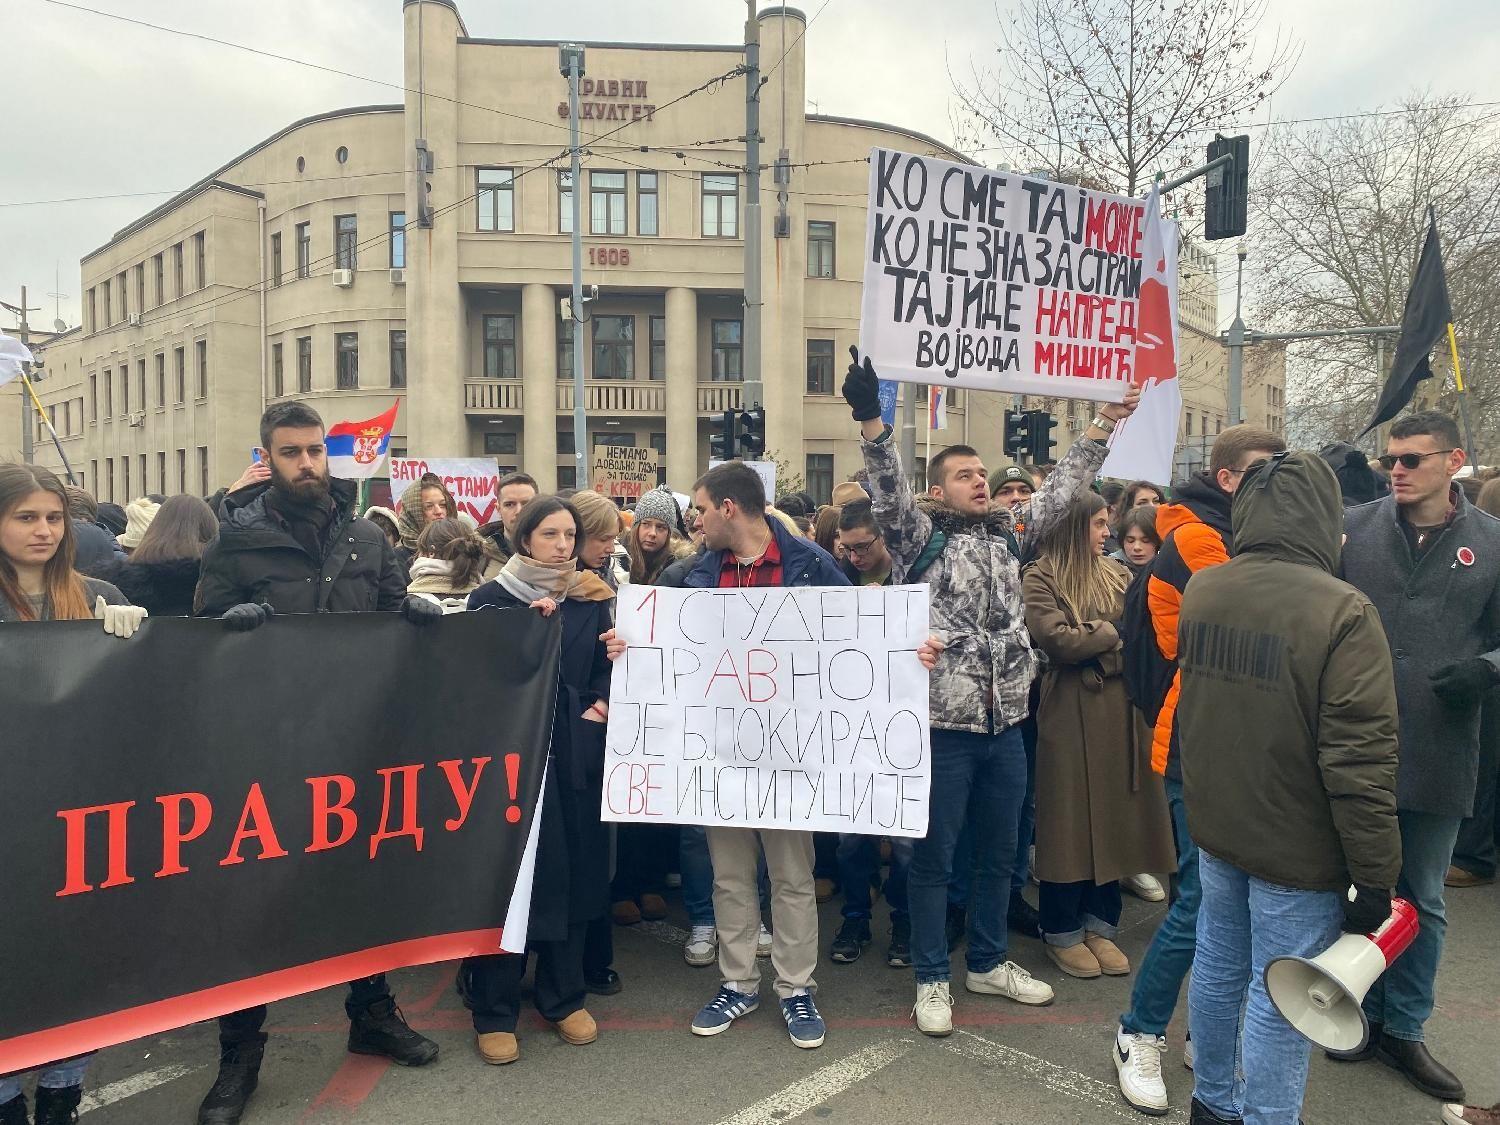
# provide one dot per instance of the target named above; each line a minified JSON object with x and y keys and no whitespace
{"x":1364,"y":1054}
{"x":13,"y":1112}
{"x":1023,"y":918}
{"x":239,"y":1071}
{"x":1202,"y":1115}
{"x":1420,"y":1068}
{"x":851,"y":939}
{"x":602,"y":982}
{"x":57,"y":1105}
{"x":899,"y":954}
{"x":382,"y":1030}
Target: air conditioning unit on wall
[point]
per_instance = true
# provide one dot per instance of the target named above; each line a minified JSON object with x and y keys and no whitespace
{"x":343,"y":278}
{"x":398,"y":276}
{"x":136,"y":418}
{"x":134,"y":320}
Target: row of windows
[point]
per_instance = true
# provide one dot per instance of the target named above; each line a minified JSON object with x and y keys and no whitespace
{"x":134,"y":391}
{"x":121,"y":489}
{"x":126,"y":295}
{"x":66,"y":419}
{"x":346,"y":363}
{"x":345,"y":245}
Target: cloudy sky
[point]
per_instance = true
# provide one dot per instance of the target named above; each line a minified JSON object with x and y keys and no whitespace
{"x":96,"y":107}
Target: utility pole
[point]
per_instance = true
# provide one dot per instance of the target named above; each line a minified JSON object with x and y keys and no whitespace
{"x":23,"y":333}
{"x":1236,"y":341}
{"x":572,"y":66}
{"x":754,"y":392}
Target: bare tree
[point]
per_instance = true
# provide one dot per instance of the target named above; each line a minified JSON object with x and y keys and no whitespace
{"x":1340,"y":215}
{"x":1111,"y":91}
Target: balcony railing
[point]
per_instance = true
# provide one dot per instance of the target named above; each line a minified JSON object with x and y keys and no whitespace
{"x":493,"y":395}
{"x":602,"y":396}
{"x":715,"y":398}
{"x":609,"y":396}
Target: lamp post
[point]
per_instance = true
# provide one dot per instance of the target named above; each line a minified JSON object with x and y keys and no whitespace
{"x":1236,"y":341}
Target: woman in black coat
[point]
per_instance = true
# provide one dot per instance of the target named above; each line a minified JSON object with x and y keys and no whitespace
{"x":162,"y":573}
{"x":570,"y":887}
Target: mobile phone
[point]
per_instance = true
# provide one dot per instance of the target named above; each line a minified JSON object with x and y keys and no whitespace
{"x":255,"y":455}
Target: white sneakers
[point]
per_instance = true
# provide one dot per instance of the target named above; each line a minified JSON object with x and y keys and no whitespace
{"x":1138,"y":1064}
{"x":1145,"y":887}
{"x":934,"y":1008}
{"x":763,"y":942}
{"x":1011,"y":981}
{"x":701,"y":947}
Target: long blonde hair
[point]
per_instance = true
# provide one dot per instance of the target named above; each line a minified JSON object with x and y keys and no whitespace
{"x":1090,"y":585}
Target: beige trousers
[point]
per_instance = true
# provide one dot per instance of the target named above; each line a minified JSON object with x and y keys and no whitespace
{"x":794,"y":906}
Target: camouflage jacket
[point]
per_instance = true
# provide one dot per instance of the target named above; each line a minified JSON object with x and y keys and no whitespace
{"x":982,"y":679}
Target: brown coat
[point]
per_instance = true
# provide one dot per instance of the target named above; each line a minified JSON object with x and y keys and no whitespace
{"x":1101,"y":813}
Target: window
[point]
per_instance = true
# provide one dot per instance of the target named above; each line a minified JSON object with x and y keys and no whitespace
{"x":161,"y":380}
{"x":145,"y":486}
{"x":919,"y":474}
{"x":346,"y":352}
{"x":140,"y":386}
{"x":177,"y":269}
{"x":659,"y":443}
{"x":203,"y":489}
{"x":94,"y":405}
{"x":304,"y":249}
{"x":345,"y":242}
{"x":94,"y":476}
{"x":500,"y":347}
{"x":109,"y":394}
{"x":276,"y":259}
{"x":125,"y":390}
{"x":820,"y":477}
{"x":567,"y":476}
{"x":497,"y":199}
{"x":658,"y":347}
{"x":278,"y":372}
{"x":820,"y":249}
{"x":398,"y":239}
{"x":820,"y":367}
{"x":721,"y":206}
{"x":304,"y":364}
{"x":607,"y":202}
{"x":182,"y":470}
{"x":108,"y":314}
{"x":1188,"y":423}
{"x":614,"y":347}
{"x":342,"y":155}
{"x":565,"y":445}
{"x":398,"y":358}
{"x":93,"y":319}
{"x":618,"y":441}
{"x":109,"y":469}
{"x":565,"y":202}
{"x":179,"y":357}
{"x":200,"y":252}
{"x":728,"y":351}
{"x":161,"y":472}
{"x":201,"y":347}
{"x":125,"y":476}
{"x":159,"y":270}
{"x":503,"y":445}
{"x":647,"y":210}
{"x":565,"y":349}
{"x":124,"y":296}
{"x":140,"y":287}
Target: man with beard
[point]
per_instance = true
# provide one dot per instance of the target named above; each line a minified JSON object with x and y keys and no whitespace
{"x":293,"y":545}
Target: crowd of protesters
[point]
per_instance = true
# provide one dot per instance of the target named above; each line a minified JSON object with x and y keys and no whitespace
{"x":1093,"y":645}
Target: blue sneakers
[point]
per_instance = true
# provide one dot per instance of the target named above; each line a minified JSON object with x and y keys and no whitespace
{"x":803,"y":1023}
{"x":725,"y":1008}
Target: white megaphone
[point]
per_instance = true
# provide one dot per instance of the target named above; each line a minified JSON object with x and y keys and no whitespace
{"x":1321,"y":997}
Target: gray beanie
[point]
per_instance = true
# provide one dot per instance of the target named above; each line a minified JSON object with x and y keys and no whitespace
{"x":658,"y":504}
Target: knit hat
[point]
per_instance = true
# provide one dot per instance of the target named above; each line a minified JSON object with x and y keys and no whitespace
{"x":658,"y":505}
{"x":1357,"y":480}
{"x":1011,"y":473}
{"x":848,"y":493}
{"x":138,"y":516}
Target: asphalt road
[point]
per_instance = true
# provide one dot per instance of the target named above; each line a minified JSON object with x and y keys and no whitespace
{"x":1005,"y":1065}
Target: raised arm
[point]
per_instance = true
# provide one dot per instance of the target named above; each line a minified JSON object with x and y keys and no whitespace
{"x":1077,"y":470}
{"x":904,"y":526}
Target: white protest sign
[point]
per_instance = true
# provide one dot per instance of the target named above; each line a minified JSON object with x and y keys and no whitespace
{"x":999,"y":281}
{"x":766,"y":470}
{"x":469,"y":480}
{"x":781,"y":708}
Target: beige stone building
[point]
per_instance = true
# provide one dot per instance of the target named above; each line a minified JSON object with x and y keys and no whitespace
{"x":321,"y":266}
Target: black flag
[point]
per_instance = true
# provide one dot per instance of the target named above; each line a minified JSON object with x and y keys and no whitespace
{"x":1423,"y":323}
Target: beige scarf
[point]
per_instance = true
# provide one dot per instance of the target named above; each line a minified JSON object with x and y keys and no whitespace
{"x":531,"y":581}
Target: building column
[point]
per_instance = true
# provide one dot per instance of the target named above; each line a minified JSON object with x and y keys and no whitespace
{"x":682,"y":388}
{"x":539,"y":385}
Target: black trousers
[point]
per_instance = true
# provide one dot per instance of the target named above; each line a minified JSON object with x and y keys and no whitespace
{"x":599,"y":945}
{"x":244,"y":1026}
{"x":644,"y":853}
{"x":491,"y":985}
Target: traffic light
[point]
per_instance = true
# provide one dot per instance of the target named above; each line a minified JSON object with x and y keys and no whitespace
{"x":1227,"y":194}
{"x":721,"y":444}
{"x":1040,"y":441}
{"x":1017,"y":433}
{"x":752,"y":437}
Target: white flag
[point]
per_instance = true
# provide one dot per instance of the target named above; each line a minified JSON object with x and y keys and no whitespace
{"x":1143,"y":446}
{"x":13,"y":353}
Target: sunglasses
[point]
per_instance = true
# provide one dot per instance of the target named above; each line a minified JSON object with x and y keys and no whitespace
{"x":1408,"y":460}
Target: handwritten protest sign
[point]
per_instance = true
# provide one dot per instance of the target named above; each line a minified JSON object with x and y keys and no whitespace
{"x":620,"y":470}
{"x":470,"y":481}
{"x":771,"y":708}
{"x":998,"y":280}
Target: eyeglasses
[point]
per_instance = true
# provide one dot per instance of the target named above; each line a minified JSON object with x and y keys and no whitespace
{"x":861,"y":549}
{"x":1408,"y":460}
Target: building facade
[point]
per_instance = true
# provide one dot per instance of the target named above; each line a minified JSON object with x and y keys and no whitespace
{"x":322,"y":265}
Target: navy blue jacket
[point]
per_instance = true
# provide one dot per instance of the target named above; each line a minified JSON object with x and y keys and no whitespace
{"x":803,"y":563}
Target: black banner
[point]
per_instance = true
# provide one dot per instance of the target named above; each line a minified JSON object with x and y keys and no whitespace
{"x":198,"y":821}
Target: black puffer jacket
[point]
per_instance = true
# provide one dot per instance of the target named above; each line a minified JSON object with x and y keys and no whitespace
{"x":256,"y":559}
{"x":164,"y":589}
{"x":95,"y":549}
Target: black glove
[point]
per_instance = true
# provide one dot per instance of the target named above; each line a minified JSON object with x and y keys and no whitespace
{"x":420,"y":611}
{"x":862,"y":389}
{"x":1367,"y":911}
{"x":1465,"y":682}
{"x":246,"y":616}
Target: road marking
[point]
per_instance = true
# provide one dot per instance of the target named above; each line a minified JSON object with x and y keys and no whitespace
{"x":822,"y":1084}
{"x":135,"y":1084}
{"x":1058,"y":1079}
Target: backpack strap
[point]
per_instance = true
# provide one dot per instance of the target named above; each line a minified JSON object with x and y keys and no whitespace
{"x":930,"y":552}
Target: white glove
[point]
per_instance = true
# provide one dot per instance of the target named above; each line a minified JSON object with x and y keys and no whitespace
{"x":119,"y":620}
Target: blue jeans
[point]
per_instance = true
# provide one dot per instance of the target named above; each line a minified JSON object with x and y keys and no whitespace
{"x":859,"y":867}
{"x":55,"y":1076}
{"x":697,"y":871}
{"x":1401,"y":1000}
{"x":1026,"y":828}
{"x":1071,"y":910}
{"x":1166,"y":964}
{"x":978,"y":780}
{"x":1244,"y":924}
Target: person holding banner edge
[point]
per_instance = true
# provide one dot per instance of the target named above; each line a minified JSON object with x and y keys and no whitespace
{"x":980,"y":685}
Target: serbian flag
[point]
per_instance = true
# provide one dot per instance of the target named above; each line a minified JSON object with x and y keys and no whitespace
{"x":1142,"y":447}
{"x":356,"y":450}
{"x":937,"y":408}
